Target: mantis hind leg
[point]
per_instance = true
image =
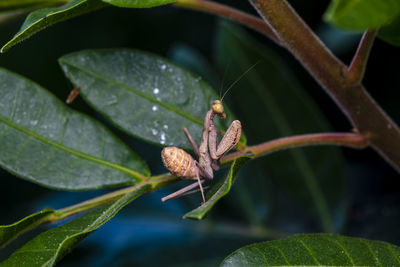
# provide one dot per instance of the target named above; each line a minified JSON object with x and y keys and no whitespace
{"x":200,"y":186}
{"x":182,"y":192}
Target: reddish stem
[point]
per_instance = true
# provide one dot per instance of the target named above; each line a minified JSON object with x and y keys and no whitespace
{"x":230,"y":13}
{"x":363,"y":112}
{"x":355,"y":72}
{"x":353,"y":140}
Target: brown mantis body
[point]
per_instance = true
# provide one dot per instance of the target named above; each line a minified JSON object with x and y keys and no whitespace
{"x":182,"y":164}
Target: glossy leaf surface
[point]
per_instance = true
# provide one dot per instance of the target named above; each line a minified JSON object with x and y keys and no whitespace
{"x":43,"y":18}
{"x":138,"y":3}
{"x":47,"y":248}
{"x":142,"y":94}
{"x":45,"y":142}
{"x":316,"y":250}
{"x":361,"y":15}
{"x":218,"y":192}
{"x":312,"y":178}
{"x":9,"y":232}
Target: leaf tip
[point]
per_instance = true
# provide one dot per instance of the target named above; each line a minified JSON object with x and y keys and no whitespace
{"x":4,"y":48}
{"x":8,"y":45}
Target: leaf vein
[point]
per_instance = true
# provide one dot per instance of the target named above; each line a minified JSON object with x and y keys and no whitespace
{"x":390,"y":248}
{"x":371,"y":251}
{"x":342,"y":247}
{"x":72,"y":151}
{"x":263,"y":254}
{"x":309,"y":251}
{"x":281,"y":252}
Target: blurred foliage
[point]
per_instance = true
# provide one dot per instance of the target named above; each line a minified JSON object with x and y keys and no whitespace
{"x":257,"y":209}
{"x":390,"y":33}
{"x":360,"y":15}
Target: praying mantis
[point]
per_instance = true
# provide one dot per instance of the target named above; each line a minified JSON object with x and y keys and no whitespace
{"x":181,"y":164}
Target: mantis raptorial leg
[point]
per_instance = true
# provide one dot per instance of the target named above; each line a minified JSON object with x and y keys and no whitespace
{"x":228,"y":141}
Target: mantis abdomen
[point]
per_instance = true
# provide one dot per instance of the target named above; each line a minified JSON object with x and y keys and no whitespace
{"x":179,"y":162}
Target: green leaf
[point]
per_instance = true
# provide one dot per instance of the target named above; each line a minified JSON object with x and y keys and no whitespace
{"x":391,"y":32}
{"x":10,"y":10}
{"x":43,"y":18}
{"x":49,"y":247}
{"x":142,"y":94}
{"x":218,"y":192}
{"x":316,"y":249}
{"x":9,"y":232}
{"x":361,"y":15}
{"x":138,"y":3}
{"x":273,"y":104}
{"x":45,"y":142}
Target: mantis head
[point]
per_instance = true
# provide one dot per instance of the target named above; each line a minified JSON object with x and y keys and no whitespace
{"x":218,"y":108}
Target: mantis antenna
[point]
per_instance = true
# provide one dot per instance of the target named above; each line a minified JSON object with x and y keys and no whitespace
{"x":238,"y":79}
{"x":223,"y":79}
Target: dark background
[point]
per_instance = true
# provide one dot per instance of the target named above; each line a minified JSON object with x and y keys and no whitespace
{"x":148,"y":232}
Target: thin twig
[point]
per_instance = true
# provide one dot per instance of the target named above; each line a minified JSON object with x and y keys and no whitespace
{"x":155,"y":182}
{"x":230,"y":13}
{"x":355,"y":72}
{"x":353,"y":140}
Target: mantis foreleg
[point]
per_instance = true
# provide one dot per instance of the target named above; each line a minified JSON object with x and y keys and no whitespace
{"x":229,"y":140}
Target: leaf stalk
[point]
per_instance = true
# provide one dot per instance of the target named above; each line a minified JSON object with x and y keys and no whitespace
{"x":356,"y":70}
{"x":353,"y":140}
